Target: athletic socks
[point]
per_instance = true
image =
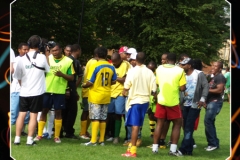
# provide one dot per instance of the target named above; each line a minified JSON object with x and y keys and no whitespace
{"x":95,"y":127}
{"x":133,"y":149}
{"x":17,"y":139}
{"x":29,"y":140}
{"x":83,"y":127}
{"x":102,"y":128}
{"x":155,"y":148}
{"x":58,"y":126}
{"x":152,"y":126}
{"x":41,"y":125}
{"x":118,"y":124}
{"x":173,"y":148}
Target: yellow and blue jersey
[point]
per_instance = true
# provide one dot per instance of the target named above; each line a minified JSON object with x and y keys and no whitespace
{"x":101,"y":74}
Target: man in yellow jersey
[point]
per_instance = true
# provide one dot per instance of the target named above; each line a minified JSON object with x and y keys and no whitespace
{"x":123,"y":53}
{"x":140,"y":83}
{"x":99,"y":80}
{"x":170,"y":79}
{"x":117,"y":104}
{"x":85,"y":91}
{"x":61,"y":71}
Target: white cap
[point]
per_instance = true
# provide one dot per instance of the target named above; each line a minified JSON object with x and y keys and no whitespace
{"x":133,"y":53}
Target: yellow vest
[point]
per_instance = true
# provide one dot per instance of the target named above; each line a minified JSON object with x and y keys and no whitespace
{"x":55,"y":84}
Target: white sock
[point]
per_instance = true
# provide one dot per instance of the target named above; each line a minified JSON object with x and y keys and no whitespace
{"x":155,"y":148}
{"x":29,"y":140}
{"x":50,"y":122}
{"x":17,"y":139}
{"x":173,"y":148}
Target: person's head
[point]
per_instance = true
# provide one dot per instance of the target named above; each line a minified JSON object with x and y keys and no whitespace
{"x":56,"y":51}
{"x":227,"y":69}
{"x":116,"y":59}
{"x":217,"y":67}
{"x":197,"y":64}
{"x":67,"y":50}
{"x":23,"y":49}
{"x":35,"y":42}
{"x":133,"y":56}
{"x":152,"y":66}
{"x":141,"y":56}
{"x":182,"y":56}
{"x":171,"y":57}
{"x":164,"y":58}
{"x":187,"y":64}
{"x":123,"y":53}
{"x":100,"y":52}
{"x":76,"y":50}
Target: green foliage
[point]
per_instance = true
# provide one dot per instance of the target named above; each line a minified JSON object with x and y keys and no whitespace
{"x":197,"y":28}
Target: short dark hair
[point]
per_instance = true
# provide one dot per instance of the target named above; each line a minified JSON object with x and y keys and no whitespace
{"x":34,"y":41}
{"x":141,"y":56}
{"x":22,"y":44}
{"x":116,"y":56}
{"x":197,"y":64}
{"x":182,"y":56}
{"x":153,"y":63}
{"x":75,"y":47}
{"x":101,"y":52}
{"x":172,"y":57}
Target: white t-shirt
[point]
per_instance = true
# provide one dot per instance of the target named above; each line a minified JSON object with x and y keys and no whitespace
{"x":12,"y":56}
{"x":15,"y":86}
{"x":32,"y":78}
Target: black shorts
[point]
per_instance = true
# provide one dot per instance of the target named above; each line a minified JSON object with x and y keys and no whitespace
{"x":33,"y":104}
{"x":55,"y":100}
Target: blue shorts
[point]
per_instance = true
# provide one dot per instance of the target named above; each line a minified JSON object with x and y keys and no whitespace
{"x":117,"y":105}
{"x":57,"y":101}
{"x":136,"y":114}
{"x":85,"y":104}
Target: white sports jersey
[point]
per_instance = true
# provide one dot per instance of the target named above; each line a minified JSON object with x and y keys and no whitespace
{"x":32,"y":78}
{"x":15,"y":86}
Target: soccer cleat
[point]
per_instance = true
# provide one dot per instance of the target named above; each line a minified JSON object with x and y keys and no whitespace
{"x":90,"y":144}
{"x":57,"y":140}
{"x":139,"y":142}
{"x":16,"y":143}
{"x":109,"y":139}
{"x":101,"y":143}
{"x":129,"y":154}
{"x":116,"y":140}
{"x":154,"y":151}
{"x":37,"y":138}
{"x":177,"y":153}
{"x":162,"y":146}
{"x":126,"y":143}
{"x":84,"y":136}
{"x":150,"y":146}
{"x":45,"y":135}
{"x":32,"y":144}
{"x":211,"y":148}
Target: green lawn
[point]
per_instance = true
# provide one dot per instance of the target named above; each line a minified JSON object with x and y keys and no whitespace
{"x":73,"y":150}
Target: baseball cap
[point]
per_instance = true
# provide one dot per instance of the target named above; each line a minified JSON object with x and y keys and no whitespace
{"x":186,"y":61}
{"x":123,"y":49}
{"x":132,"y":51}
{"x":133,"y":55}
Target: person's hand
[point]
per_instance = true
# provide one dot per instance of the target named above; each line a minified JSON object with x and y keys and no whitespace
{"x":58,"y":73}
{"x":125,"y":93}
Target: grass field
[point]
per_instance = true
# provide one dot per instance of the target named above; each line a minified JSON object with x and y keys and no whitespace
{"x":71,"y":149}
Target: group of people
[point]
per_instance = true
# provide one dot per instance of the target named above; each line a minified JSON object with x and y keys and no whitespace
{"x":122,"y":87}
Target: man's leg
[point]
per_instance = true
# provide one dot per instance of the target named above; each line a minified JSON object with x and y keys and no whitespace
{"x":157,"y":133}
{"x":58,"y":124}
{"x":84,"y":119}
{"x":19,"y":125}
{"x":14,"y":107}
{"x":31,"y":127}
{"x":177,"y":124}
{"x":163,"y":135}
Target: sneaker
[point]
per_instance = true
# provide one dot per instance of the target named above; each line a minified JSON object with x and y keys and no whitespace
{"x":126,"y":143}
{"x":23,"y":134}
{"x":109,"y":139}
{"x":57,"y":140}
{"x":150,"y":146}
{"x":90,"y":144}
{"x":84,"y":136}
{"x":116,"y":140}
{"x":101,"y":143}
{"x":32,"y":144}
{"x":129,"y":154}
{"x":16,"y":143}
{"x":194,"y":146}
{"x":45,"y":135}
{"x":154,"y":151}
{"x":162,"y":146}
{"x":139,"y":142}
{"x":211,"y":148}
{"x":37,"y":138}
{"x":177,"y":153}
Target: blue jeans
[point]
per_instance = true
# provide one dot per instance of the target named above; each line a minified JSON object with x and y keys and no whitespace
{"x":189,"y":117}
{"x":15,"y":108}
{"x":213,"y":108}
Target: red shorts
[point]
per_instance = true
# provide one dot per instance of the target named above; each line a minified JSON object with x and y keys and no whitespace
{"x":168,"y":113}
